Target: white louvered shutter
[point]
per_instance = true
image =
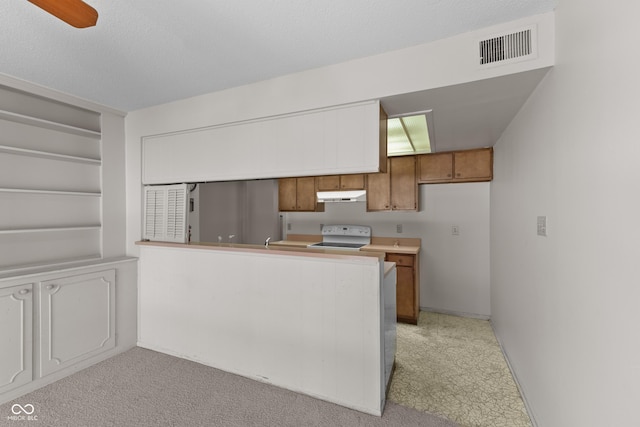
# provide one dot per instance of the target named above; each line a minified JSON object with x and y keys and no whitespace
{"x":165,"y":213}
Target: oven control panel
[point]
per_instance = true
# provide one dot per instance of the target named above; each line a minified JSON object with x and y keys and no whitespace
{"x":346,"y":230}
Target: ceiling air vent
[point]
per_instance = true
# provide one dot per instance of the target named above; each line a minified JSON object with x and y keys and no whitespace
{"x":508,"y":47}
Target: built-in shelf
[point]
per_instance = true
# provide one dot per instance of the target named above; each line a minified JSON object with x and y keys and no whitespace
{"x":46,"y":124}
{"x":49,"y":229}
{"x":48,"y":155}
{"x":54,"y":192}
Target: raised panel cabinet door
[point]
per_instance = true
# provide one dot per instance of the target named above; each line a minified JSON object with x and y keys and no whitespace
{"x":16,"y":305}
{"x":352,"y":182}
{"x":306,"y":194}
{"x":287,"y":199}
{"x":436,"y":167}
{"x":77,"y":319}
{"x":405,"y":295}
{"x":404,"y":187}
{"x":473,"y":165}
{"x":329,"y":183}
{"x":378,"y":191}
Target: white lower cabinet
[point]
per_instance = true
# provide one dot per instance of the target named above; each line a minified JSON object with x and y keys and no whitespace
{"x":77,"y":319}
{"x":16,"y":308}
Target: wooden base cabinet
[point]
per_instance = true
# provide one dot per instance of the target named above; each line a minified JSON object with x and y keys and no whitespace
{"x":77,"y":319}
{"x":407,"y":287}
{"x":16,"y":306}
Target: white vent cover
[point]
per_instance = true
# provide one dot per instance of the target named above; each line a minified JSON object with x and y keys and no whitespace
{"x":507,"y":48}
{"x":165,"y":213}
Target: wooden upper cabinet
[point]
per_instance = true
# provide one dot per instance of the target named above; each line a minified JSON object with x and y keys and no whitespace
{"x":341,"y":182}
{"x":329,"y":183}
{"x":473,"y":165}
{"x":298,"y":194}
{"x":379,"y":191}
{"x":306,"y":194}
{"x":436,"y":167}
{"x":456,"y":166}
{"x":352,"y":182}
{"x":404,"y":187}
{"x":396,"y":189}
{"x":287,"y":198}
{"x":383,"y":140}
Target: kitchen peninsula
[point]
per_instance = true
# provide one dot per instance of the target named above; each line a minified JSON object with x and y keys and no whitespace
{"x":319,"y":322}
{"x":404,"y":252}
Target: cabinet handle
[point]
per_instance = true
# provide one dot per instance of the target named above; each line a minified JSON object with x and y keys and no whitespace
{"x":23,"y":291}
{"x":50,"y":287}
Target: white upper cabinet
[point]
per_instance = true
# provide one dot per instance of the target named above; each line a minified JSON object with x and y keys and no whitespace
{"x":342,"y":139}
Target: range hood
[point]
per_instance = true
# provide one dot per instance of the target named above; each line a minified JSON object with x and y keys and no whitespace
{"x":342,"y":196}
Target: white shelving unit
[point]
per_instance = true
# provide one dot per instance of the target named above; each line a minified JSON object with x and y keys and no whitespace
{"x":50,"y":182}
{"x":47,"y":124}
{"x":47,"y":155}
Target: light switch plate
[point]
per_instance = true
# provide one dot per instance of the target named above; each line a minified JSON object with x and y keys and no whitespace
{"x":542,"y":226}
{"x":455,"y":230}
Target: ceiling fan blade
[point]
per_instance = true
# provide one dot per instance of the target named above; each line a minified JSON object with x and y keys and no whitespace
{"x":74,"y":12}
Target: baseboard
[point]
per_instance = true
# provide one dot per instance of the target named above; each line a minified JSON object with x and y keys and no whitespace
{"x":515,"y":379}
{"x":456,"y":313}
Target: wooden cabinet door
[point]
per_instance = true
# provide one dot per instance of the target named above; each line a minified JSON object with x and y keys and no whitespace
{"x":405,"y":295}
{"x":473,"y":165}
{"x":306,"y":194}
{"x":329,"y":183}
{"x":287,"y":198}
{"x":436,"y":167}
{"x":77,"y":319}
{"x":16,"y":305}
{"x":352,"y":182}
{"x":378,"y":191}
{"x":404,"y":188}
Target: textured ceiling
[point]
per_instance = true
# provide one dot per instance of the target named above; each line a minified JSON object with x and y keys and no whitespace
{"x":147,"y":52}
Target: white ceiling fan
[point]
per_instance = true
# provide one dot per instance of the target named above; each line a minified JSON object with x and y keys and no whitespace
{"x":74,"y":12}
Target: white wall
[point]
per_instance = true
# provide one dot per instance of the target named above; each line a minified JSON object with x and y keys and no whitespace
{"x":565,"y":306}
{"x":113,"y":186}
{"x":442,"y":63}
{"x":454,"y":270}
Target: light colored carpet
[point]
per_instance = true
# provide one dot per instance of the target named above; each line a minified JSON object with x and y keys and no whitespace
{"x":453,"y":366}
{"x":141,"y":388}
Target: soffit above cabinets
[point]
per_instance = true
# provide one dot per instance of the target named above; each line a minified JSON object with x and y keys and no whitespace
{"x":468,"y":115}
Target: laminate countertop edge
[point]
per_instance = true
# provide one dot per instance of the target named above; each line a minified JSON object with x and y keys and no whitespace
{"x":272,"y":249}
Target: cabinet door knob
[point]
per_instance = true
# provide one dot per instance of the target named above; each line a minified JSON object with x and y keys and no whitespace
{"x":50,"y":287}
{"x":23,"y":291}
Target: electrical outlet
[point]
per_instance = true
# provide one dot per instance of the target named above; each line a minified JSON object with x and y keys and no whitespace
{"x":321,"y":225}
{"x":455,"y":230}
{"x":399,"y":228}
{"x":542,"y":226}
{"x":288,"y":226}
